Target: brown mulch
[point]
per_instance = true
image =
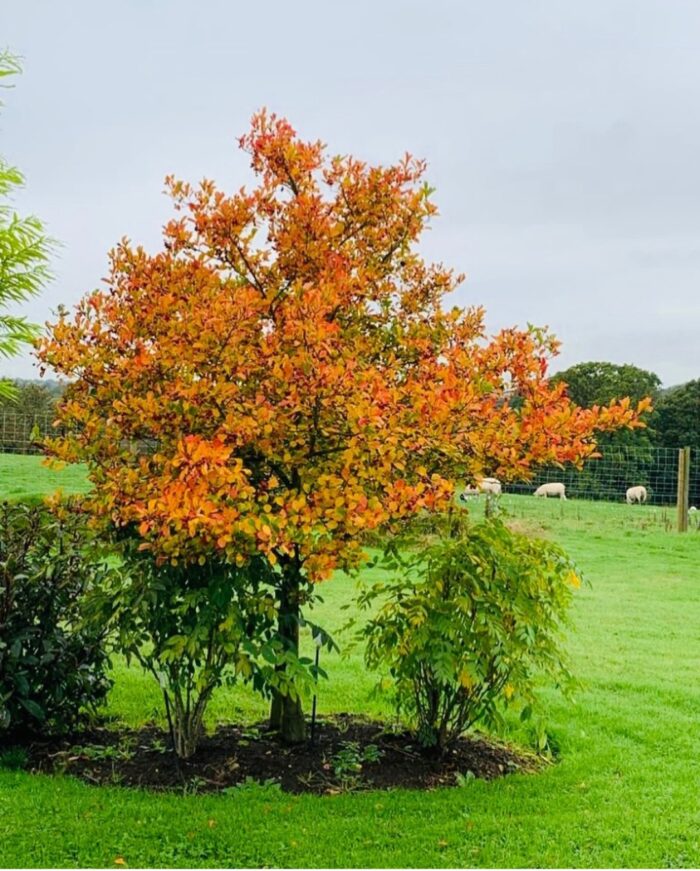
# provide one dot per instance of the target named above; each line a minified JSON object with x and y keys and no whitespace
{"x":233,"y":756}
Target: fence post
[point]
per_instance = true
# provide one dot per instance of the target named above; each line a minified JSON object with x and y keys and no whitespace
{"x":683,"y":488}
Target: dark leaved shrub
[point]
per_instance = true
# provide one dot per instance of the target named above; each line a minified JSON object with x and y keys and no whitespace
{"x":52,"y":668}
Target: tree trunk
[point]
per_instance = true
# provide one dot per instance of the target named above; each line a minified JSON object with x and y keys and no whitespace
{"x":286,"y":714}
{"x":287,"y":718}
{"x":186,"y":725}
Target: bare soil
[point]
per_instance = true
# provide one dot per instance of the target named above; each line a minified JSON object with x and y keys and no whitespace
{"x":338,"y":760}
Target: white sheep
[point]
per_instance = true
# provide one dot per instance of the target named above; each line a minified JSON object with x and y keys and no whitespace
{"x":469,"y":493}
{"x":636,"y":494}
{"x":553,"y":489}
{"x":489,"y":485}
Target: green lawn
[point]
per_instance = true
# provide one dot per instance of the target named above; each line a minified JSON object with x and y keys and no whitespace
{"x":24,"y":476}
{"x":624,"y":793}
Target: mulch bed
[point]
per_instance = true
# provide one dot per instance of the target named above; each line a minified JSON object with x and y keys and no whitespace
{"x":233,"y":757}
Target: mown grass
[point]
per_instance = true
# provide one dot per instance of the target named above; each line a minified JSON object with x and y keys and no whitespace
{"x":624,"y":791}
{"x":23,"y":477}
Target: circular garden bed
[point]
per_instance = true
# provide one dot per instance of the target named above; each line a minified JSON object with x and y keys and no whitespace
{"x":346,"y":754}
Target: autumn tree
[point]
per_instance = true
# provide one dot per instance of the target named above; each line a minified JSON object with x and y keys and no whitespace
{"x":284,"y":376}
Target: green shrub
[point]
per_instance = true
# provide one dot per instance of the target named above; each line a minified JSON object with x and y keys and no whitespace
{"x":192,"y":627}
{"x":466,"y":625}
{"x":52,"y":668}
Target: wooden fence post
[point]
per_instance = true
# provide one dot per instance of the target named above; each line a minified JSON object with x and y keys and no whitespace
{"x":683,"y":488}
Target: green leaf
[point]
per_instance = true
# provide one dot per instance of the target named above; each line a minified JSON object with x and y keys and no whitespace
{"x":33,"y":708}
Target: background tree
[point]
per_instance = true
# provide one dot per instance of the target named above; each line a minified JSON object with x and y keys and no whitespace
{"x":599,"y":383}
{"x":677,"y":423}
{"x":24,"y":252}
{"x":288,"y":357}
{"x":677,"y":418}
{"x":31,"y":399}
{"x":26,"y":416}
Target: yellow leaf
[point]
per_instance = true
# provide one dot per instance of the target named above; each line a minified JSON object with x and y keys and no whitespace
{"x":466,"y":679}
{"x":574,"y":579}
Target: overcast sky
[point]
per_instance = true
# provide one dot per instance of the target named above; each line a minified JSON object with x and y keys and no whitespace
{"x":563,"y":139}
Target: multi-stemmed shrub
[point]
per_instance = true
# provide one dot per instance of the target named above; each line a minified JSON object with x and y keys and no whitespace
{"x":52,"y":666}
{"x":467,"y":624}
{"x":190,"y":626}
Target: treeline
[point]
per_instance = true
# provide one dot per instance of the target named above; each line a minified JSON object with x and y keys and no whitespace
{"x":32,"y":397}
{"x":674,"y":421}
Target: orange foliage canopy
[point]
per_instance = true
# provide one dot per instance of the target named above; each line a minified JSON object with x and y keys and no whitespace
{"x":283,"y":375}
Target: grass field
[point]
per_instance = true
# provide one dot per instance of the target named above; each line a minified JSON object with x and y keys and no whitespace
{"x":623,"y":793}
{"x":26,"y":476}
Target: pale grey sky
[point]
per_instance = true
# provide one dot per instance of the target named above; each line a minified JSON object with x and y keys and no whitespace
{"x":563,"y":138}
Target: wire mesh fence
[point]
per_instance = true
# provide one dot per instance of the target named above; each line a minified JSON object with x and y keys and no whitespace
{"x":617,"y":469}
{"x":605,"y":478}
{"x":24,"y":433}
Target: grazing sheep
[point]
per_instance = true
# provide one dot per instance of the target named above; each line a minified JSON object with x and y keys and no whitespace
{"x":636,"y":494}
{"x":554,"y":489}
{"x":469,"y":493}
{"x":489,"y":485}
